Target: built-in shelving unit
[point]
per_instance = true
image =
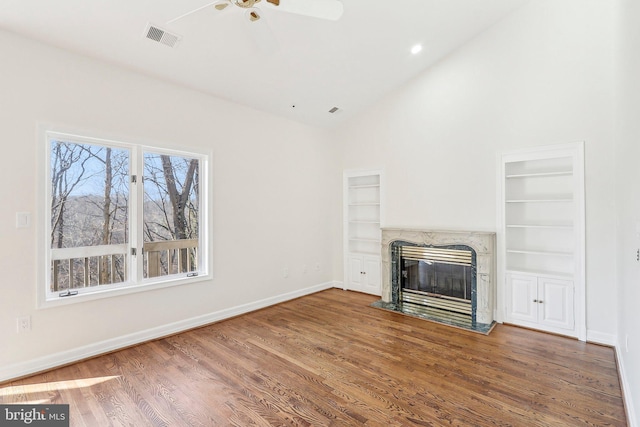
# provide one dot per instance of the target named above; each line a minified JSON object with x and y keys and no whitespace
{"x":542,"y":237}
{"x":362,"y":220}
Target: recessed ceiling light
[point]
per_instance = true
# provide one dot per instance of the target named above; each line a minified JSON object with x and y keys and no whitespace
{"x":416,"y":49}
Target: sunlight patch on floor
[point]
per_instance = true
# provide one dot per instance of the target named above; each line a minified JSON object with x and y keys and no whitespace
{"x":27,"y":389}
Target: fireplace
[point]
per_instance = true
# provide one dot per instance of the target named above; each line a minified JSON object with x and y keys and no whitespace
{"x":436,"y":280}
{"x":446,"y":276}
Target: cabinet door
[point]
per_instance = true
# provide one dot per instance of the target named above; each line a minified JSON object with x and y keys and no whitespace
{"x":364,"y":274}
{"x":523,"y":305}
{"x":356,"y":271}
{"x":556,"y":303}
{"x":372,"y":275}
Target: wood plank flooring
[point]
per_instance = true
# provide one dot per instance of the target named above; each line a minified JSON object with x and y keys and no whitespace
{"x":329,"y":359}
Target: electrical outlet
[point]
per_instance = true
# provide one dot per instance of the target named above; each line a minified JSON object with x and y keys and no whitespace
{"x":24,"y":324}
{"x":304,"y":269}
{"x":285,"y":272}
{"x":317,"y":266}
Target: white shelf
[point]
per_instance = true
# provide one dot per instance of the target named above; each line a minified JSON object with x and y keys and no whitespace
{"x":545,"y":200}
{"x":542,"y":252}
{"x":356,"y":186}
{"x":559,"y":226}
{"x":539,"y":174}
{"x":365,"y":204}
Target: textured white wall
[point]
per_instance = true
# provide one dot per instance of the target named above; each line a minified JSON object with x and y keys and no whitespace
{"x":274,"y":191}
{"x":542,"y":76}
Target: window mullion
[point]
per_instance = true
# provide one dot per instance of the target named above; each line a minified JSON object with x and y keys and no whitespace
{"x":136,"y":215}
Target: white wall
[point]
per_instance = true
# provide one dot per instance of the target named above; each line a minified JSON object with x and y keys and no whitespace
{"x":274,"y":187}
{"x":628,"y":202}
{"x":542,"y":76}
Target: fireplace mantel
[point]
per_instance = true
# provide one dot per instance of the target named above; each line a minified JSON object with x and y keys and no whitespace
{"x":484,"y":244}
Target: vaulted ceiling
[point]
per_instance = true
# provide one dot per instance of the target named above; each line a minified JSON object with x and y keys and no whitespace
{"x":309,"y":66}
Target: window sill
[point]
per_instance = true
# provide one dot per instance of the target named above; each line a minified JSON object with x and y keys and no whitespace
{"x":124,"y":289}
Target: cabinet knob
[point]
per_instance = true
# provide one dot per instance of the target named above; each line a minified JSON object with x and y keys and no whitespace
{"x":535,"y":300}
{"x":540,"y":302}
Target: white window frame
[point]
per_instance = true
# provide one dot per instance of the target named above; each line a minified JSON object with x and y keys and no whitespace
{"x":135,"y":281}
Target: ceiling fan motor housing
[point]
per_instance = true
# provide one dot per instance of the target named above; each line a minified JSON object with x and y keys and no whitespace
{"x":245,"y":3}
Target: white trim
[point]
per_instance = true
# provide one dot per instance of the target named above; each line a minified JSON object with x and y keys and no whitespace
{"x":601,"y":338}
{"x":125,"y":288}
{"x":500,"y":312}
{"x":632,"y":421}
{"x":32,"y":366}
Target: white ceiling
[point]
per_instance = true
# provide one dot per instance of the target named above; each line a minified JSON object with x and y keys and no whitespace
{"x":318,"y":64}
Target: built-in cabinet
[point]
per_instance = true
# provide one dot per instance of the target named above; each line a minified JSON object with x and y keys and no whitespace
{"x":541,"y":301}
{"x":364,"y":273}
{"x":542,"y":238}
{"x":362,"y":235}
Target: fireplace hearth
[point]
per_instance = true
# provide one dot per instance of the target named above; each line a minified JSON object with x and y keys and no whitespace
{"x":443,"y":276}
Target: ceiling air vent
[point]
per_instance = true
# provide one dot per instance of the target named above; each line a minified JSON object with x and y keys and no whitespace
{"x":161,"y":36}
{"x":333,"y":110}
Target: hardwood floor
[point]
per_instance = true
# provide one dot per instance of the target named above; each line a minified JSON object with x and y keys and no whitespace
{"x":330,"y":359}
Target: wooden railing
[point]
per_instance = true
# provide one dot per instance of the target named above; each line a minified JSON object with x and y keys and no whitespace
{"x":82,"y":267}
{"x":88,"y":266}
{"x":170,"y":257}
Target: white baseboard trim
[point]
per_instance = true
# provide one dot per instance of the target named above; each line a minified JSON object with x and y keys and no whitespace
{"x":602,"y":338}
{"x":44,"y":363}
{"x":626,"y":390}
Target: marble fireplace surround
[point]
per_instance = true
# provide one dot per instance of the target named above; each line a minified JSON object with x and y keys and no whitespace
{"x":484,"y":243}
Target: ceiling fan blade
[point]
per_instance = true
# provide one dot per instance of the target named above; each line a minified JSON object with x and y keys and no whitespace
{"x":323,"y":9}
{"x":260,"y":31}
{"x":218,"y":4}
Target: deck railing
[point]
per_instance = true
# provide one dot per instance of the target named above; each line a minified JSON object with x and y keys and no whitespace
{"x":73,"y":268}
{"x":170,"y":257}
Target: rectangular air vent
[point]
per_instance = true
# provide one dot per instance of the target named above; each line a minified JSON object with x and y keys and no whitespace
{"x":333,"y":110}
{"x":161,"y":36}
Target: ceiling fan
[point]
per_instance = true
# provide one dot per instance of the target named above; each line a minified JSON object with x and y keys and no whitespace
{"x":323,"y":9}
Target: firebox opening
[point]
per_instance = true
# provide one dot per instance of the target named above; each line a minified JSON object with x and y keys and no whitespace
{"x":437,"y":279}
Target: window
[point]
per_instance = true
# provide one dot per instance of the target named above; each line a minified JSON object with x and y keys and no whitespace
{"x":122,"y":216}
